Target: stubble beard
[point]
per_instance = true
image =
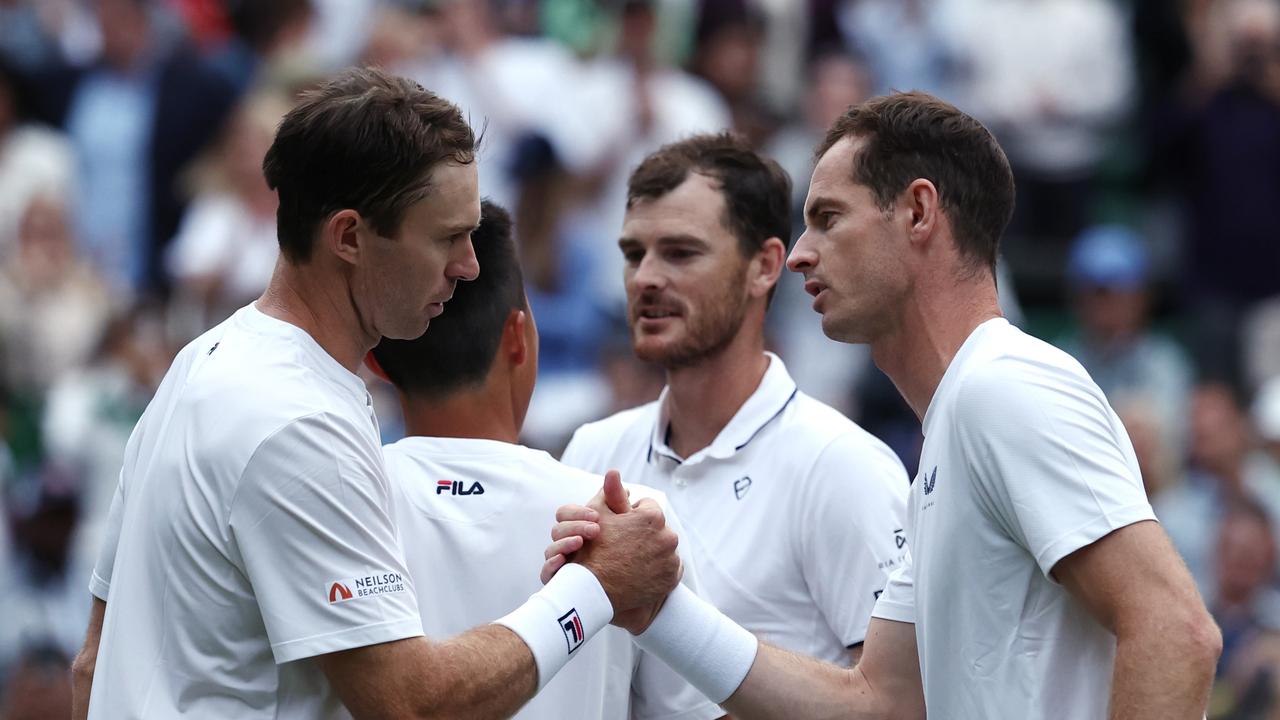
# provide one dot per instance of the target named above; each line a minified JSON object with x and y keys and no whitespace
{"x":706,"y":335}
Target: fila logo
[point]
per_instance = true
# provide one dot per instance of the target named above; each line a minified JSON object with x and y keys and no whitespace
{"x":571,"y":626}
{"x":338,"y":593}
{"x":741,"y":486}
{"x":454,"y":487}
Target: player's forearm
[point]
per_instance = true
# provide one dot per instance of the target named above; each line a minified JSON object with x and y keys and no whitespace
{"x":82,"y":669}
{"x":783,"y":685}
{"x":486,"y":672}
{"x":1164,"y":668}
{"x":86,"y":662}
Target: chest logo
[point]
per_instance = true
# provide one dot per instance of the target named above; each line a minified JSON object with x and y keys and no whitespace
{"x":456,"y":487}
{"x":741,"y":486}
{"x":930,"y":480}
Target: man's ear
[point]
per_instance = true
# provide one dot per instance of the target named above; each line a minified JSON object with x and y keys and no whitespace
{"x":921,"y":198}
{"x":515,"y":345}
{"x":371,"y":362}
{"x":766,"y":267}
{"x":340,"y":235}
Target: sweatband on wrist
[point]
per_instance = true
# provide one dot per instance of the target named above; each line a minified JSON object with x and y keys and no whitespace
{"x":706,"y":648}
{"x":558,"y":619}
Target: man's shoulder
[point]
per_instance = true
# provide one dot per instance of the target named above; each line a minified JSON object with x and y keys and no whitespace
{"x":612,"y":434}
{"x":640,"y":418}
{"x":534,"y":471}
{"x":1020,"y":369}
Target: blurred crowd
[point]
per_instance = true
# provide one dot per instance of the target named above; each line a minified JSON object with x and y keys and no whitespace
{"x":1144,"y":136}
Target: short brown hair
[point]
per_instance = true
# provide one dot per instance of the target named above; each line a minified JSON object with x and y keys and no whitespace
{"x":757,"y":191}
{"x":914,"y":135}
{"x":364,"y":140}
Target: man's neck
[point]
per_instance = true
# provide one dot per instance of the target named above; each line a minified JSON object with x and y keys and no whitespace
{"x":322,"y":309}
{"x":703,"y":398}
{"x":933,"y":327}
{"x":482,"y":414}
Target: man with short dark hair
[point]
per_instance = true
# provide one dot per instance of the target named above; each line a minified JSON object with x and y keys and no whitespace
{"x":462,"y":484}
{"x":794,"y":513}
{"x":1039,"y":584}
{"x":252,"y":567}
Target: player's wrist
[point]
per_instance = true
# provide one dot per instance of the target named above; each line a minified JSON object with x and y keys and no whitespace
{"x":711,"y":652}
{"x":561,"y":617}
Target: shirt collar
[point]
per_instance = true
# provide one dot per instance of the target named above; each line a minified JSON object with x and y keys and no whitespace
{"x":956,"y":368}
{"x":771,"y":397}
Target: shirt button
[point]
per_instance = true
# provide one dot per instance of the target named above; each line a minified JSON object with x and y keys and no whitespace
{"x":680,"y":482}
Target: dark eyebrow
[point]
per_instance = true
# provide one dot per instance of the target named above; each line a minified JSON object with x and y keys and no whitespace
{"x":677,"y":239}
{"x":815,"y":208}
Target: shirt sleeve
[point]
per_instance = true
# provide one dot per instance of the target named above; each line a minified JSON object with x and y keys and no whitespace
{"x":314,"y":533}
{"x":100,"y":580}
{"x":852,"y":532}
{"x":898,"y":600}
{"x":657,"y":691}
{"x":1053,"y":465}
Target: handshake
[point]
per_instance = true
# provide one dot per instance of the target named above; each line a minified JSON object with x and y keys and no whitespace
{"x":629,"y":549}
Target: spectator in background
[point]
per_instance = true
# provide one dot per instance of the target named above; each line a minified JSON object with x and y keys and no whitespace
{"x":907,"y":43}
{"x":1220,"y":138}
{"x":1160,"y":464}
{"x":1051,"y":78}
{"x":37,"y":33}
{"x":226,"y":247}
{"x":44,"y":593}
{"x":136,"y":117}
{"x":514,"y":87}
{"x":1245,"y":600}
{"x":1219,"y":475}
{"x":728,"y":41}
{"x":90,"y":412}
{"x":637,"y":104}
{"x":266,"y":37}
{"x":33,"y":159}
{"x":1246,"y":607}
{"x":53,"y":306}
{"x":825,"y":370}
{"x":1264,"y":463}
{"x":38,"y":687}
{"x":1107,"y":275}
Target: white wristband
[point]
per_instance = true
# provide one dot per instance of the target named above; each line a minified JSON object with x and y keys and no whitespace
{"x":558,"y":619}
{"x":710,"y":651}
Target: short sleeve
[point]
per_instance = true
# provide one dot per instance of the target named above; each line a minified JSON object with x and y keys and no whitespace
{"x":1053,"y":464}
{"x":852,"y":531}
{"x":314,"y":532}
{"x":100,"y":580}
{"x":657,"y":691}
{"x":897,"y":601}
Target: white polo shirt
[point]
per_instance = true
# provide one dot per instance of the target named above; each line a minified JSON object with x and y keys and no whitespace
{"x":1024,"y":462}
{"x":475,"y":517}
{"x":251,"y":530}
{"x":794,"y":513}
